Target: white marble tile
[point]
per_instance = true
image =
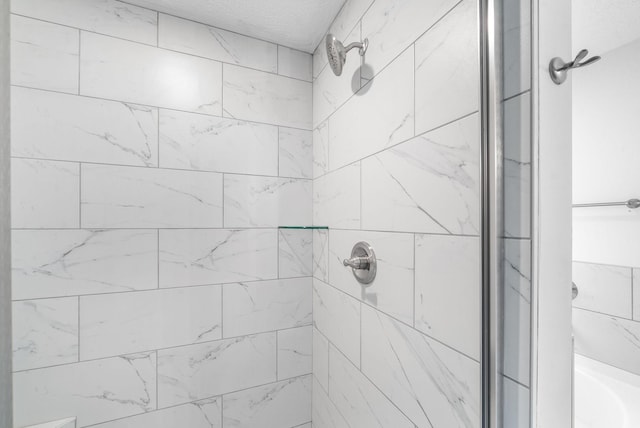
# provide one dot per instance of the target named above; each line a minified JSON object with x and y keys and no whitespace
{"x":110,"y":17}
{"x":392,"y":290}
{"x":321,"y":255}
{"x":613,"y":341}
{"x":261,"y":306}
{"x":45,"y":332}
{"x":124,"y":71}
{"x":448,"y":283}
{"x":447,"y":70}
{"x":432,"y":182}
{"x":114,"y":196}
{"x":358,"y":400}
{"x":198,"y":257}
{"x":392,"y":26}
{"x":516,"y":27}
{"x":324,"y":412}
{"x":206,"y":143}
{"x":186,"y":373}
{"x":321,"y":359}
{"x":44,"y":55}
{"x":517,"y":310}
{"x":515,"y":408}
{"x":321,"y":149}
{"x":57,"y":126}
{"x":379,"y":116}
{"x":93,"y":391}
{"x":44,"y":194}
{"x":277,"y":405}
{"x":636,"y":293}
{"x":210,"y":42}
{"x":268,"y":98}
{"x":336,"y":198}
{"x":429,"y":382}
{"x":123,"y":323}
{"x":337,"y":316}
{"x":50,"y":263}
{"x":199,"y":414}
{"x":603,"y":288}
{"x":294,"y":63}
{"x":295,"y":153}
{"x":295,"y":352}
{"x":349,"y":15}
{"x":295,"y":253}
{"x":253,"y":201}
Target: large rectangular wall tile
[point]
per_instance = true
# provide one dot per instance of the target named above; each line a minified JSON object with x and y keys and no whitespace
{"x":198,"y":371}
{"x":324,"y":412}
{"x":602,"y":288}
{"x":206,"y":143}
{"x":447,"y":70}
{"x":122,"y":323}
{"x":436,"y":387}
{"x":277,"y":405}
{"x":516,"y":407}
{"x":295,"y":253}
{"x":261,"y":306}
{"x":431,"y":182}
{"x":44,"y":55}
{"x":636,"y":294}
{"x":93,"y":391}
{"x":448,"y":282}
{"x":45,"y":332}
{"x":516,"y":65}
{"x":198,"y":257}
{"x":367,"y":124}
{"x":392,"y":26}
{"x":198,"y":39}
{"x":199,"y":414}
{"x":50,"y":263}
{"x":110,"y":17}
{"x":321,"y":149}
{"x":392,"y":290}
{"x":125,"y":71}
{"x":115,"y":196}
{"x":321,"y":255}
{"x":44,"y":194}
{"x":336,"y":198}
{"x":294,"y":63}
{"x":66,"y":127}
{"x":358,"y":400}
{"x":320,"y":359}
{"x":263,"y":97}
{"x":337,"y":316}
{"x":295,"y":351}
{"x":295,"y":153}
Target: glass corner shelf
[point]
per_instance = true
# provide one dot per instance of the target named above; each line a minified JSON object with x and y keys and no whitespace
{"x":305,"y":227}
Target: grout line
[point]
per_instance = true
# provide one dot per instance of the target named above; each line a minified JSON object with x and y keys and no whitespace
{"x":277,"y":356}
{"x":158,"y":259}
{"x":79,"y":57}
{"x":78,"y":360}
{"x":157,"y":382}
{"x":79,"y":195}
{"x":414,"y":280}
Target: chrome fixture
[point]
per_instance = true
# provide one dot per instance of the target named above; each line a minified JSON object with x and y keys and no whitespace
{"x":337,"y":52}
{"x":362,"y":262}
{"x":631,"y":204}
{"x":558,"y":68}
{"x":574,"y":291}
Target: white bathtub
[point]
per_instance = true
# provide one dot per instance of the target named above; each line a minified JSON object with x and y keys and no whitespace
{"x":605,"y":397}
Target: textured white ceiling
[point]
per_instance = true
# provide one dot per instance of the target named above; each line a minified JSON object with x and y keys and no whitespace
{"x":298,"y":24}
{"x":603,"y":25}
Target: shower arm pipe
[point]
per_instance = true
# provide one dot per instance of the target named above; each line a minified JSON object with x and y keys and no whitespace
{"x":631,"y":203}
{"x":362,"y":46}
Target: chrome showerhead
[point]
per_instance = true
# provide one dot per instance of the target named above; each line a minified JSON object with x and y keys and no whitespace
{"x":337,"y":52}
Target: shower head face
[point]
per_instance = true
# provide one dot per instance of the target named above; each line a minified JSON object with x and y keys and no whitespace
{"x":336,"y":54}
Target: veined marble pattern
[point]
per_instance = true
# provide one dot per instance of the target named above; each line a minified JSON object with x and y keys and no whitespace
{"x":324,"y":412}
{"x":123,"y":323}
{"x":321,"y":149}
{"x":44,"y":55}
{"x":114,"y":196}
{"x":45,"y":332}
{"x":93,"y":391}
{"x":321,"y":255}
{"x":294,"y":63}
{"x":50,"y":263}
{"x":262,"y":306}
{"x":431,"y":181}
{"x":295,"y":352}
{"x":430,"y":383}
{"x":603,"y":288}
{"x":295,"y":249}
{"x":186,"y":373}
{"x":253,"y":201}
{"x":447,"y":83}
{"x":320,"y":359}
{"x":282,"y":404}
{"x":336,"y":198}
{"x":198,"y":257}
{"x":366,"y":123}
{"x":40,"y":187}
{"x":205,"y":143}
{"x":199,"y":414}
{"x":358,"y":400}
{"x":198,"y":39}
{"x":110,"y":17}
{"x":295,"y":153}
{"x":263,"y":97}
{"x":117,"y":69}
{"x":516,"y":24}
{"x":57,"y":126}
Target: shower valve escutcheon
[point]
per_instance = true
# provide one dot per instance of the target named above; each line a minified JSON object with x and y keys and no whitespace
{"x":362,"y":262}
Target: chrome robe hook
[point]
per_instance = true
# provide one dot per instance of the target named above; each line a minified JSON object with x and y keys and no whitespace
{"x":558,"y":68}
